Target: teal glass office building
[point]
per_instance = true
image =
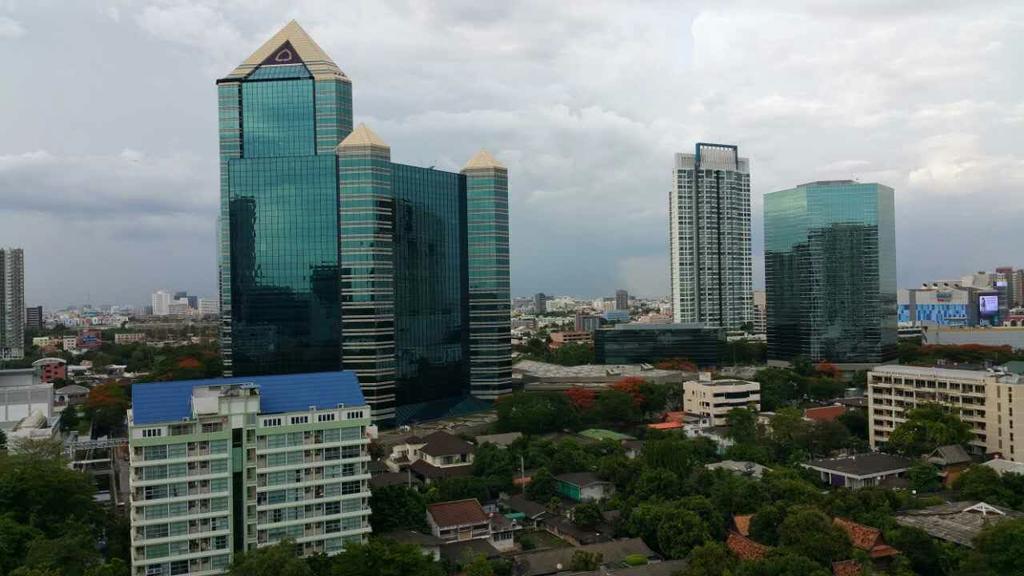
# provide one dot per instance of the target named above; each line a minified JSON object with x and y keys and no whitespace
{"x":333,"y":257}
{"x":830,"y":273}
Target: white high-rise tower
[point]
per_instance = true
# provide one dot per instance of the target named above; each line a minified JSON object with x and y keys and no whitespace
{"x":12,"y":304}
{"x":709,"y":214}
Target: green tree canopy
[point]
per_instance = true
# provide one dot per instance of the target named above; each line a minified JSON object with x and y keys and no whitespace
{"x":998,"y":549}
{"x":926,"y":428}
{"x":397,"y":508}
{"x":384,"y":558}
{"x":808,"y":532}
{"x":277,"y":560}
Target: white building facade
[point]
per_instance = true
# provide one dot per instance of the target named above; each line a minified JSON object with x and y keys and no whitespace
{"x":709,"y":237}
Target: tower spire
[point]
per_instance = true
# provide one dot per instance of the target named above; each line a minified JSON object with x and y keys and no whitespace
{"x":300,"y":45}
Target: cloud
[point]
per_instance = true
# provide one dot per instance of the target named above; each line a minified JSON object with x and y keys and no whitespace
{"x":11,"y":28}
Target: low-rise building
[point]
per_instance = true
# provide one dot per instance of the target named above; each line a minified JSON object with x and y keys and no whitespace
{"x":70,"y":395}
{"x":224,"y":465}
{"x":860,"y":470}
{"x":559,"y":339}
{"x":50,"y":369}
{"x":957,"y":522}
{"x":990,"y":402}
{"x":21,"y":395}
{"x":129,"y":337}
{"x":714,"y":399}
{"x":650,"y":343}
{"x":433,"y":457}
{"x":583,"y":487}
{"x":466,"y":520}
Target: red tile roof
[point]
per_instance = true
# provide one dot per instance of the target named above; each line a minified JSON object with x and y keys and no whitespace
{"x":866,"y":538}
{"x":457,"y":513}
{"x":675,"y":416}
{"x":744,"y":548}
{"x":742,"y":523}
{"x":665,"y":425}
{"x":825,"y":414}
{"x":846,"y":568}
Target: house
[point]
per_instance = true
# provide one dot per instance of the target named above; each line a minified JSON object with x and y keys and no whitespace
{"x":465,"y":520}
{"x":564,"y":528}
{"x":824,"y":413}
{"x":527,"y":512}
{"x":633,"y":448}
{"x":951,"y":460}
{"x":435,"y":456}
{"x":741,"y":523}
{"x":1002,"y":466}
{"x":752,"y":469}
{"x":846,"y":568}
{"x":957,"y":522}
{"x":744,"y":548}
{"x":866,"y":538}
{"x":583,"y":487}
{"x":70,"y":395}
{"x":860,"y":470}
{"x":499,"y":440}
{"x":558,"y":560}
{"x":428,"y":544}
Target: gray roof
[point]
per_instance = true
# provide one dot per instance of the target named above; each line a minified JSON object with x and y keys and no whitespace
{"x":949,"y":455}
{"x":441,"y":443}
{"x":529,"y":508}
{"x":460,"y":551}
{"x":1003,"y":466}
{"x":546,"y":561}
{"x":581,"y":479}
{"x":499,"y":439}
{"x":863,"y":465}
{"x":666,"y":568}
{"x":740,"y":467}
{"x":957,"y":522}
{"x":72,"y":389}
{"x":413,"y":537}
{"x":545,"y":370}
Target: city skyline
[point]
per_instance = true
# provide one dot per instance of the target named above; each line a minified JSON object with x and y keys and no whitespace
{"x":138,"y":186}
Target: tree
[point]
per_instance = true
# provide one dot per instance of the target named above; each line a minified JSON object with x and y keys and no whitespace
{"x":782,"y":563}
{"x":115,"y":567}
{"x":587,"y":516}
{"x":742,"y":425}
{"x":382,"y":557}
{"x":926,"y":428}
{"x":680,"y":532}
{"x":44,"y":494}
{"x":856,"y":421}
{"x":542,"y":486}
{"x":277,"y":560}
{"x":984,"y":484}
{"x":72,"y":553}
{"x":615,"y":406}
{"x":924,"y":478}
{"x":3,"y":440}
{"x":14,"y":541}
{"x":535,"y":412}
{"x":479,"y":566}
{"x":710,"y":559}
{"x":808,"y":532}
{"x":998,"y":549}
{"x":764,"y":526}
{"x":581,"y":398}
{"x":926,"y":554}
{"x":397,"y":508}
{"x":69,"y":418}
{"x":583,"y":561}
{"x":41,"y":448}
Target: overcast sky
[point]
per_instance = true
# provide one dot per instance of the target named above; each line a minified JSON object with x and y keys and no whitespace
{"x":108,"y":136}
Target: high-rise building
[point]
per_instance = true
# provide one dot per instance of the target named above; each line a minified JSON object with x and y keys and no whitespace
{"x":397,"y":272}
{"x":760,"y":312}
{"x":830,"y":273}
{"x":222,"y":466}
{"x":161,"y":301}
{"x":709,"y":224}
{"x":34,"y":318}
{"x":621,"y":300}
{"x":12,"y":303}
{"x":540,"y":303}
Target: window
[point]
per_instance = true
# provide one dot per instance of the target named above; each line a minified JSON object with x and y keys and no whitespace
{"x":356,"y":415}
{"x":351,"y":487}
{"x":212,"y":427}
{"x":325,"y":417}
{"x":152,"y":432}
{"x":271,"y":422}
{"x":300,"y":419}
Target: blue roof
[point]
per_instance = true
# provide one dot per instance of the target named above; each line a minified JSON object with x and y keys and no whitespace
{"x":154,"y":402}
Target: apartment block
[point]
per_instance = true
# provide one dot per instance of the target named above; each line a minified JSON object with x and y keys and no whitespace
{"x":989,"y":401}
{"x":714,"y":399}
{"x":221,"y":466}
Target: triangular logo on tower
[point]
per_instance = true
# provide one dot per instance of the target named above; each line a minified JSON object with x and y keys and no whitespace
{"x":285,"y":54}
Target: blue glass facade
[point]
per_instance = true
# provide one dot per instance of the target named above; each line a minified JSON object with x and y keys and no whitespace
{"x":333,"y":257}
{"x":830,"y":272}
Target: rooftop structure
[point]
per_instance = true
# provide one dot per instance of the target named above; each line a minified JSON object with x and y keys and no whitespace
{"x":860,"y":470}
{"x":543,"y":376}
{"x":957,"y":522}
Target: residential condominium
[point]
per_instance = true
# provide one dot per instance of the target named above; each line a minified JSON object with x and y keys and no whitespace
{"x":991,"y":402}
{"x":709,"y":238}
{"x":714,"y":399}
{"x":12,"y":304}
{"x":397,"y":272}
{"x":222,"y":466}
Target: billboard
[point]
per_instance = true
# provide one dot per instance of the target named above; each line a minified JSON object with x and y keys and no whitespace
{"x":988,"y":304}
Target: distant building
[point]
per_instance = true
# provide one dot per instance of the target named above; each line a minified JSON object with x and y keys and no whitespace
{"x":709,"y":237}
{"x":161,"y":301}
{"x":69,"y":343}
{"x":178,"y":308}
{"x":621,"y":300}
{"x":760,"y":312}
{"x":583,"y":487}
{"x":714,"y":399}
{"x":34,"y":318}
{"x":50,"y":369}
{"x":209,"y":306}
{"x":830,"y":273}
{"x":991,"y":403}
{"x":21,"y":394}
{"x":540,"y":303}
{"x":650,"y":343}
{"x":129,"y":337}
{"x":236,"y":461}
{"x":90,"y":339}
{"x":587,"y":322}
{"x":12,"y":304}
{"x":616,"y":315}
{"x":938,"y":306}
{"x":559,"y":339}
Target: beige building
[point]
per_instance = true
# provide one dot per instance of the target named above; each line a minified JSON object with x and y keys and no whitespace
{"x":713,"y":399}
{"x":988,"y":401}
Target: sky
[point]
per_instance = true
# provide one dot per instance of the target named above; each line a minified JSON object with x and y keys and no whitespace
{"x":108,"y":135}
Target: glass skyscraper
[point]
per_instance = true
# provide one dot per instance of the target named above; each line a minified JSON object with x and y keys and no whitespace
{"x":830,"y":273}
{"x":709,"y":238}
{"x":332,"y":256}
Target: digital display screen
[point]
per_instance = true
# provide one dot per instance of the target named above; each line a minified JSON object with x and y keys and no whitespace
{"x":988,"y":305}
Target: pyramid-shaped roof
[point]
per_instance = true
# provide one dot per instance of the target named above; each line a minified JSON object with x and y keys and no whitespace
{"x":362,"y":136}
{"x":483,"y":160}
{"x":306,"y":51}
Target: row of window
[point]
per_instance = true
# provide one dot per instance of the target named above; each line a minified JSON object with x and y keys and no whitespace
{"x":309,"y":493}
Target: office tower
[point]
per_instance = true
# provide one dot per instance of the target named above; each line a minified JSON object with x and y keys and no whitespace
{"x":12,"y":304}
{"x":161,"y":301}
{"x":621,"y":300}
{"x":540,"y":303}
{"x":830,"y":273}
{"x":34,"y":318}
{"x":709,"y":223}
{"x":760,"y":312}
{"x":223,"y":466}
{"x":397,"y":272}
